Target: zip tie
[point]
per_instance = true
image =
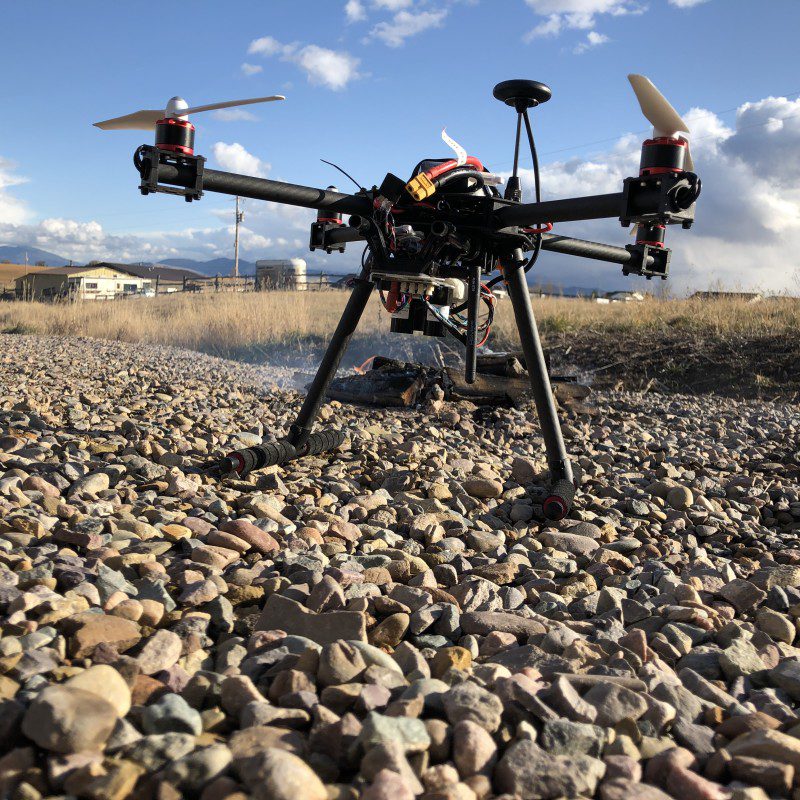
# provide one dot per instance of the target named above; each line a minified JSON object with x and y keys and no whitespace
{"x":461,"y":153}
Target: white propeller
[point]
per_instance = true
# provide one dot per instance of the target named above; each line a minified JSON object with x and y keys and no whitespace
{"x":177,"y":108}
{"x":660,"y":114}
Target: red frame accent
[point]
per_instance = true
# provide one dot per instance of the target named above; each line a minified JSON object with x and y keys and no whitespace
{"x":677,"y":140}
{"x":176,"y":148}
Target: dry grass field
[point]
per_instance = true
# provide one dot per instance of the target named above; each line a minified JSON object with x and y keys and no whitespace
{"x":688,"y":345}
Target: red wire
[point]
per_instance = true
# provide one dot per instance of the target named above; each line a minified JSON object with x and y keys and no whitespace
{"x":436,"y":171}
{"x":546,"y":228}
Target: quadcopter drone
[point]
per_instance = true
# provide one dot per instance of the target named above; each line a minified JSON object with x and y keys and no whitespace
{"x":436,"y":244}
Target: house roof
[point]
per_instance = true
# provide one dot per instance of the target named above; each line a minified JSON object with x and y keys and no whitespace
{"x":70,"y":271}
{"x":58,"y":270}
{"x":160,"y":271}
{"x":145,"y":271}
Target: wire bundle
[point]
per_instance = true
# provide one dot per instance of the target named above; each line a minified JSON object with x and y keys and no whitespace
{"x":456,"y":323}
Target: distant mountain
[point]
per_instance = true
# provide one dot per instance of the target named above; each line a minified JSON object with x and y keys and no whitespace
{"x":16,"y":253}
{"x":216,"y":266}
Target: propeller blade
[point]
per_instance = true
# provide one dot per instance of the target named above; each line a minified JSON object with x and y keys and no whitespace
{"x":144,"y":120}
{"x":233,"y":103}
{"x":658,"y":111}
{"x":656,"y":108}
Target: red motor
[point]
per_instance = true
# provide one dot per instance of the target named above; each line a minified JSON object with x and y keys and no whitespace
{"x":175,"y":135}
{"x":662,"y":155}
{"x":652,"y":235}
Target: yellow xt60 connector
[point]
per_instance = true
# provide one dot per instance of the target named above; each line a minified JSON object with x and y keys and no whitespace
{"x":420,"y":187}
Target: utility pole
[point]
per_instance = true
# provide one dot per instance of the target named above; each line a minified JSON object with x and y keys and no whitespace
{"x":239,"y":218}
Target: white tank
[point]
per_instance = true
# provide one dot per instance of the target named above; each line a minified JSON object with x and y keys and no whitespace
{"x":287,"y":273}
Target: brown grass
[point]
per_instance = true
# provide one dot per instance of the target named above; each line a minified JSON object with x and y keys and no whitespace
{"x":755,"y":342}
{"x":214,"y":323}
{"x":217,"y":323}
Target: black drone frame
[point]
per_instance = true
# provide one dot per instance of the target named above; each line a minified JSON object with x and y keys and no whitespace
{"x":494,"y":228}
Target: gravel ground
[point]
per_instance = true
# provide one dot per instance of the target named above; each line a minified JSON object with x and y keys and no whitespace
{"x":397,"y":621}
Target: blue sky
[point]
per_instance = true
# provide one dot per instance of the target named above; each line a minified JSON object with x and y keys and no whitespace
{"x":370,"y":84}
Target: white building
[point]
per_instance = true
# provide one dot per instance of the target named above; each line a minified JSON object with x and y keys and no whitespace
{"x":97,"y":282}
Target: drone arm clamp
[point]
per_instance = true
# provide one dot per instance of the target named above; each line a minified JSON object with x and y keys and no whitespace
{"x":636,"y":259}
{"x":162,"y":171}
{"x":667,"y":198}
{"x":150,"y":161}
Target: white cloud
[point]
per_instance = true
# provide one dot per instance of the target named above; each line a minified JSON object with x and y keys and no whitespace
{"x":560,"y":15}
{"x":768,"y":136}
{"x":251,"y":69}
{"x":392,"y":5}
{"x":552,"y":26}
{"x":354,"y":11}
{"x":12,"y":210}
{"x":331,"y":68}
{"x":234,"y":115}
{"x":578,"y":14}
{"x":593,"y":39}
{"x":270,"y":230}
{"x":265,"y":235}
{"x":405,"y":24}
{"x":234,"y":158}
{"x":583,"y":7}
{"x":266,"y":46}
{"x":747,"y":232}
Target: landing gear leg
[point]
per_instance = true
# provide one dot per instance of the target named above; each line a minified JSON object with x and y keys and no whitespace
{"x":301,"y":441}
{"x":301,"y":428}
{"x":557,"y":505}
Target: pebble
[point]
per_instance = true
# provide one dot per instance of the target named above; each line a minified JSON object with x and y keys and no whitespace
{"x":280,"y":775}
{"x":171,"y":714}
{"x":160,"y":652}
{"x":66,"y":719}
{"x":398,"y":621}
{"x":106,"y":683}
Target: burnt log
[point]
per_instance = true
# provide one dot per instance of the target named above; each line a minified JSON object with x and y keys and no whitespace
{"x":507,"y":365}
{"x":394,"y":384}
{"x":386,"y":387}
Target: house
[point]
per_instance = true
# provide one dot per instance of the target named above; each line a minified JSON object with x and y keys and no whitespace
{"x":9,"y":274}
{"x":94,"y":282}
{"x":163,"y":279}
{"x":620,"y":297}
{"x":748,"y":297}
